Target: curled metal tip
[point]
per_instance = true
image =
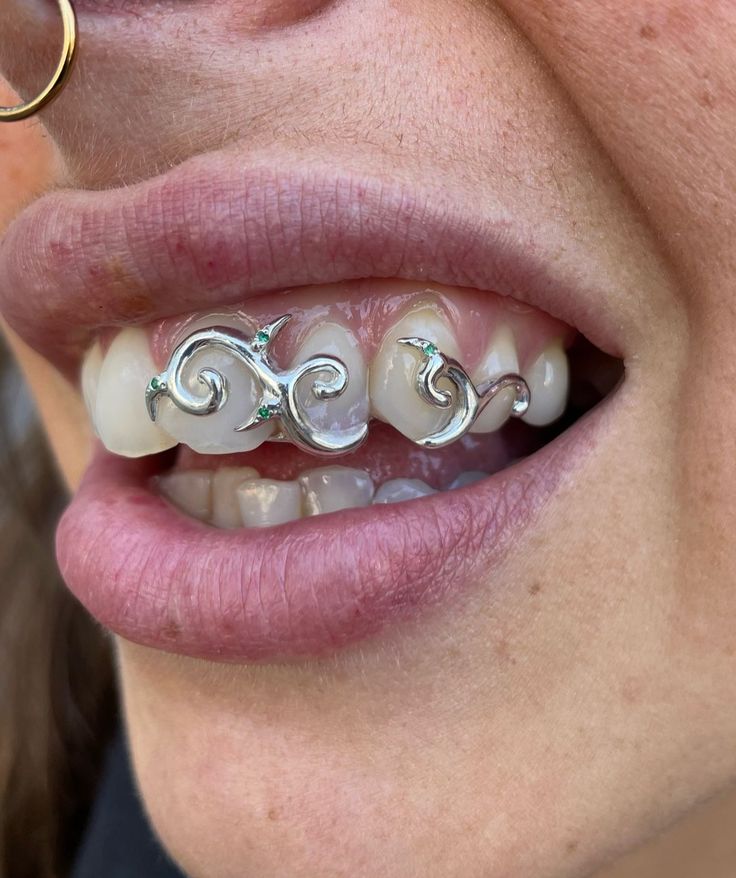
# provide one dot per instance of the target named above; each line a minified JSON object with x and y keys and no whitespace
{"x":465,"y":401}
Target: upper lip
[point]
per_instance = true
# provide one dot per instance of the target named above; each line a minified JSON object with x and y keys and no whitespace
{"x":223,"y":227}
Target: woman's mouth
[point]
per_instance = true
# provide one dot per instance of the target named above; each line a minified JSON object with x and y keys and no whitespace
{"x":196,"y":536}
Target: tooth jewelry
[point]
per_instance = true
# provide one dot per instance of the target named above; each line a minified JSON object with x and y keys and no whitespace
{"x":467,"y":402}
{"x":278,"y":387}
{"x":61,"y":74}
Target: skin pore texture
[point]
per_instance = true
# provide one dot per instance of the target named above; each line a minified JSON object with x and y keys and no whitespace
{"x":580,"y":698}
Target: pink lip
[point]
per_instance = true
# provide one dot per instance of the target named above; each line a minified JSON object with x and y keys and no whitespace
{"x":303,"y":589}
{"x":214,"y":232}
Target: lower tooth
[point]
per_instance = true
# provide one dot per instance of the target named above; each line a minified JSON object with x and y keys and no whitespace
{"x":398,"y":490}
{"x":189,"y":491}
{"x":225,"y":505}
{"x":467,"y":478}
{"x":267,"y":502}
{"x":332,"y":488}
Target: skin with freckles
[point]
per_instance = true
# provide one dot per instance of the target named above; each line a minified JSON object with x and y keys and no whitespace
{"x":581,"y":698}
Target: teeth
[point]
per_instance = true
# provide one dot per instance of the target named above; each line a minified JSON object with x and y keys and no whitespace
{"x":215,"y":433}
{"x":468,"y":478}
{"x":190,"y":491}
{"x":119,"y":410}
{"x":548,"y":379}
{"x":113,"y":387}
{"x":332,"y":488}
{"x":351,"y":408}
{"x":398,"y":490}
{"x":392,"y":389}
{"x":500,"y":359}
{"x":225,"y":504}
{"x":266,"y":502}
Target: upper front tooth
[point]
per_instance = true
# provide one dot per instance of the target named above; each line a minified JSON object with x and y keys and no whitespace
{"x":332,"y":488}
{"x":215,"y":433}
{"x":500,"y":359}
{"x":350,"y":409}
{"x":548,"y":379}
{"x":394,"y":397}
{"x":120,"y":415}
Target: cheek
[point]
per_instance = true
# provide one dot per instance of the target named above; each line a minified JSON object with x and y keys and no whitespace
{"x":26,"y":159}
{"x":28,"y":163}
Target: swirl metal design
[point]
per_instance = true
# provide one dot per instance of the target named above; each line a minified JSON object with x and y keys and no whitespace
{"x":466,"y":402}
{"x":278,"y":388}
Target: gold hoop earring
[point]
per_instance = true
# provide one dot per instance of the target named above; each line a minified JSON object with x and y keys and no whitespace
{"x":23,"y":111}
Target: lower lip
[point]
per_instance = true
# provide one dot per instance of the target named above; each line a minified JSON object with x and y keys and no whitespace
{"x":304,"y":589}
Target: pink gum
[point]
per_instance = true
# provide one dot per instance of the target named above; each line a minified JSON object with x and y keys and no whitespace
{"x":370,"y":308}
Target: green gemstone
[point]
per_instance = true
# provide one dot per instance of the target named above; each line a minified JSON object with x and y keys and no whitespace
{"x":262,"y":336}
{"x":430,"y":349}
{"x":155,"y":384}
{"x":264,"y":413}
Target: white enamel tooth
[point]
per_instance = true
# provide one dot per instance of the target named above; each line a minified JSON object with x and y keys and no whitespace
{"x":120,"y":415}
{"x":91,"y":368}
{"x":190,"y":491}
{"x":548,"y":378}
{"x":399,"y":490}
{"x":468,"y":478}
{"x":392,"y":388}
{"x":351,"y":408}
{"x":215,"y":433}
{"x":267,"y":502}
{"x":225,"y":504}
{"x":500,"y":358}
{"x":332,"y":488}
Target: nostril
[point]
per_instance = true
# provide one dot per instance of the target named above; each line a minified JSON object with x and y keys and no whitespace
{"x":248,"y":14}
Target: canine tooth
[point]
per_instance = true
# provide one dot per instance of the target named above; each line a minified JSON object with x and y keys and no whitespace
{"x":332,"y":488}
{"x":392,"y":390}
{"x":398,"y":490}
{"x":190,"y":491}
{"x":468,"y":478}
{"x":225,"y":505}
{"x":500,"y":358}
{"x":120,"y":416}
{"x":215,"y":433}
{"x":351,"y":408}
{"x":548,"y":379}
{"x":267,"y":502}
